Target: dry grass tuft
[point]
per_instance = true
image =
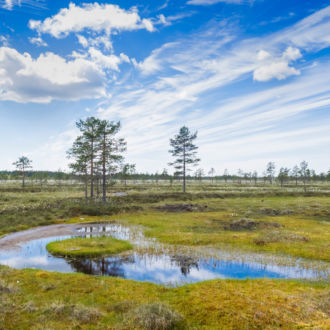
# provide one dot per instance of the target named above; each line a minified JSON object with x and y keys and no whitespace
{"x":155,"y":316}
{"x":81,"y":313}
{"x":279,"y":236}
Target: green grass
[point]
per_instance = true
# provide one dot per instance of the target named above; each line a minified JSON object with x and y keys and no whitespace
{"x":88,"y":247}
{"x":49,"y":300}
{"x":297,"y":236}
{"x":57,"y":301}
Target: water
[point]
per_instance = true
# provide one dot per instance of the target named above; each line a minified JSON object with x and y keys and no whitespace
{"x":163,"y":268}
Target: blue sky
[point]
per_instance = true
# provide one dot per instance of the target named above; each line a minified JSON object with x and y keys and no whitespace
{"x":253,"y":77}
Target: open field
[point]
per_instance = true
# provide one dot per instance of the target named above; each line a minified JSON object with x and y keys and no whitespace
{"x":273,"y":221}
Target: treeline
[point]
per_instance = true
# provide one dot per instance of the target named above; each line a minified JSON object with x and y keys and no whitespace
{"x":96,"y":160}
{"x":123,"y":175}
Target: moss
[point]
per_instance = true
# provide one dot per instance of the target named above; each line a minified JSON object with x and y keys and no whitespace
{"x":300,"y":237}
{"x":88,"y":247}
{"x":109,"y":303}
{"x":57,"y":301}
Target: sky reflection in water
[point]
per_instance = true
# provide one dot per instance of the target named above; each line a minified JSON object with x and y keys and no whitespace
{"x":165,"y":269}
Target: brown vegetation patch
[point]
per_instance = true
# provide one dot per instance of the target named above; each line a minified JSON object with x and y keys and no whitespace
{"x":248,"y":224}
{"x":155,"y":316}
{"x":181,"y":207}
{"x":279,"y":236}
{"x":79,"y":312}
{"x":275,"y":212}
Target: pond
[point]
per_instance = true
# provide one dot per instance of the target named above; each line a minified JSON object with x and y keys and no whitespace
{"x":28,"y":250}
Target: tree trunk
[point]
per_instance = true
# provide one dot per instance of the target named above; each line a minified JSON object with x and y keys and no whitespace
{"x":184,"y":169}
{"x":92,"y":170}
{"x":98,"y":186}
{"x":23,"y":179}
{"x":104,"y":174}
{"x":86,"y":186}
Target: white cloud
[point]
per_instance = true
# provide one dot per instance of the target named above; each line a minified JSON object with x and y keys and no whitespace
{"x":38,"y":41}
{"x":53,"y":77}
{"x":107,"y":61}
{"x":101,"y":18}
{"x":271,"y":67}
{"x":279,"y":70}
{"x":95,"y":41}
{"x":212,"y":2}
{"x":82,"y":40}
{"x":292,"y":54}
{"x":8,"y":4}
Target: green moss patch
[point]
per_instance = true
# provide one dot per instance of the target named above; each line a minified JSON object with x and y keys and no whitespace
{"x":88,"y":247}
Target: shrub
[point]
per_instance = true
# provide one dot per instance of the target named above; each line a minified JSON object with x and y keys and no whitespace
{"x":155,"y":316}
{"x":83,"y":314}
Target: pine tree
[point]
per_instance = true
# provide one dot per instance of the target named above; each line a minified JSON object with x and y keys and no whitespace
{"x":110,"y":149}
{"x":270,"y":170}
{"x":283,"y":175}
{"x":22,"y":164}
{"x":211,"y":173}
{"x":80,"y":153}
{"x":126,"y":171}
{"x":304,"y":171}
{"x":97,"y":151}
{"x":90,"y":135}
{"x":294,"y":173}
{"x":184,"y":152}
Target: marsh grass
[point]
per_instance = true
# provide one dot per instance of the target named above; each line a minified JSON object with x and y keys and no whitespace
{"x":82,"y":301}
{"x":89,"y":247}
{"x":276,"y":236}
{"x":32,"y":298}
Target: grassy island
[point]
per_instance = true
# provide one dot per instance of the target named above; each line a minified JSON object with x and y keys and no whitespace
{"x":88,"y":247}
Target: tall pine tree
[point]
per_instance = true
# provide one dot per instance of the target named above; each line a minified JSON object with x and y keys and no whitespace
{"x":110,"y":149}
{"x":90,"y":135}
{"x":96,"y":151}
{"x":184,"y":151}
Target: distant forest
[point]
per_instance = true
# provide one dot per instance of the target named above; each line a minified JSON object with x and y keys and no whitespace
{"x":199,"y":174}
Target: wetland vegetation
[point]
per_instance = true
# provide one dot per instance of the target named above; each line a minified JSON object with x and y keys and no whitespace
{"x":268,"y":221}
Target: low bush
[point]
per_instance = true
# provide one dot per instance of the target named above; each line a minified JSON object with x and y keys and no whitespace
{"x":155,"y":316}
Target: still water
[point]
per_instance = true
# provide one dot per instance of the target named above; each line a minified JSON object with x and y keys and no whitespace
{"x":162,"y":268}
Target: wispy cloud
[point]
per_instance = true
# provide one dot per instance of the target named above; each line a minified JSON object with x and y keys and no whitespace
{"x":212,"y":2}
{"x":246,"y":96}
{"x":177,"y":88}
{"x":14,"y":4}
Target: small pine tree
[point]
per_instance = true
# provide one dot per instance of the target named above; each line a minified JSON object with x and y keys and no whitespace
{"x":22,"y":164}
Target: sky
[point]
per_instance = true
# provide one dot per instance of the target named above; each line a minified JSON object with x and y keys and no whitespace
{"x":251,"y":76}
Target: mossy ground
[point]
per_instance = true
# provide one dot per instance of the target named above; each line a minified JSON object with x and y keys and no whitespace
{"x":297,"y":236}
{"x":88,"y":247}
{"x":40,"y":299}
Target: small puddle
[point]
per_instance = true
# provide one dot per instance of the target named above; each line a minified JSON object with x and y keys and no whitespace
{"x":28,"y":250}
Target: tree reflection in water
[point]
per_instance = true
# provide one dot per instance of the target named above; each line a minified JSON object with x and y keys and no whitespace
{"x":115,"y":266}
{"x":101,"y":266}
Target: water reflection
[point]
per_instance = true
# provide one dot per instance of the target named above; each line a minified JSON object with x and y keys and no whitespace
{"x":158,"y":268}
